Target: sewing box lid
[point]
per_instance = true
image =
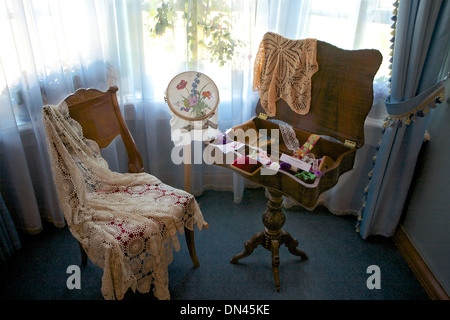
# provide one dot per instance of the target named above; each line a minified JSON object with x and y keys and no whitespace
{"x":341,"y":95}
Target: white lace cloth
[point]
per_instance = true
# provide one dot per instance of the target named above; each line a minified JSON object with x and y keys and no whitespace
{"x":289,"y":137}
{"x":283,"y":69}
{"x":127,"y":223}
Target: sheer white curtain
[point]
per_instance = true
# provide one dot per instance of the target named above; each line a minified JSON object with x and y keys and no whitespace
{"x":181,"y":47}
{"x":50,"y":48}
{"x":347,"y":24}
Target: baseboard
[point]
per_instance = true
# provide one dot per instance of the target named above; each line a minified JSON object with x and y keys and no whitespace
{"x":418,"y":266}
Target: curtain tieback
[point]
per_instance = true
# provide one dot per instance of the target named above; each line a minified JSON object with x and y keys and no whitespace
{"x":416,"y":107}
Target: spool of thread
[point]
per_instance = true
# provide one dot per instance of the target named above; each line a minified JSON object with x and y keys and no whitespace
{"x":274,"y":166}
{"x":285,"y":166}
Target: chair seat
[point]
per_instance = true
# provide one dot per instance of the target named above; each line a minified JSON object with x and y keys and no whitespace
{"x":145,"y":236}
{"x":176,"y":208}
{"x":175,"y":200}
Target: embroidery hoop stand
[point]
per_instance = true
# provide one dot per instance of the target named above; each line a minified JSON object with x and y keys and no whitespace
{"x":199,"y":104}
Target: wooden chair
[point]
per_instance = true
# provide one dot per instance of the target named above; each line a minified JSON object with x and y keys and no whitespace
{"x":99,"y":115}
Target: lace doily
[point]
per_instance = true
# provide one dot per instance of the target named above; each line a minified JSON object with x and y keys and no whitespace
{"x":283,"y":69}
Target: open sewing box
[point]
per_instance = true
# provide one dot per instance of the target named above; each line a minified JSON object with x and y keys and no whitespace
{"x":341,"y":98}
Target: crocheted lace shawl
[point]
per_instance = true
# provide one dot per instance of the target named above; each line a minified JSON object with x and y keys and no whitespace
{"x":127,"y":223}
{"x":283,"y":69}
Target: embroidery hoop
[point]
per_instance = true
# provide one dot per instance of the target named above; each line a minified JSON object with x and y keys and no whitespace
{"x":189,"y":105}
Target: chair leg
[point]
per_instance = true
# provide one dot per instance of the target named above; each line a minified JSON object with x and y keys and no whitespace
{"x":83,"y":255}
{"x":189,"y":234}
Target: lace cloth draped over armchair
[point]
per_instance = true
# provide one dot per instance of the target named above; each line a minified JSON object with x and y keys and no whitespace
{"x":127,"y":223}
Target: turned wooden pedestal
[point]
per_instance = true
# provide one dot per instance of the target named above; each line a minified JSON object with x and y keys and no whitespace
{"x":273,"y":236}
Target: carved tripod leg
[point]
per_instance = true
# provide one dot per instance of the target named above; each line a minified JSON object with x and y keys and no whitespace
{"x":249,"y":246}
{"x":273,"y":220}
{"x":275,"y":263}
{"x":292,"y":244}
{"x":273,"y":236}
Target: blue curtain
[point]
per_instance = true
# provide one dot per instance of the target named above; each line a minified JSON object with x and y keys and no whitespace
{"x":9,"y":239}
{"x":420,"y":48}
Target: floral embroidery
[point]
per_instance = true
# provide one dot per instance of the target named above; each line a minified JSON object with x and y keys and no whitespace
{"x":182,"y":84}
{"x":206,"y":94}
{"x":194,"y":103}
{"x":193,"y":100}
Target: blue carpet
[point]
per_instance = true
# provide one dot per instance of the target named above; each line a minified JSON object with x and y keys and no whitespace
{"x":336,"y":269}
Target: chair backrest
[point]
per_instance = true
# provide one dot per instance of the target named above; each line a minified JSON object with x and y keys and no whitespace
{"x":99,"y":115}
{"x":341,"y":94}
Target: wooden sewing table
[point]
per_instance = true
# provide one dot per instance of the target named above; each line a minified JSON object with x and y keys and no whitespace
{"x":341,"y":98}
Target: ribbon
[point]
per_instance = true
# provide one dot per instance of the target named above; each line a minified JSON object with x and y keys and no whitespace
{"x":307,"y":146}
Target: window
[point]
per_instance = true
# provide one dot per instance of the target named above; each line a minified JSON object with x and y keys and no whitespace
{"x":354,"y":24}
